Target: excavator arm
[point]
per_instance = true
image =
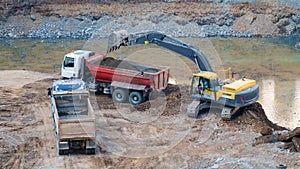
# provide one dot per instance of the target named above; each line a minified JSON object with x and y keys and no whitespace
{"x":122,"y":38}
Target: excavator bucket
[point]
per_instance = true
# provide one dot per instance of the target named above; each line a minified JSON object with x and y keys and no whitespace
{"x":117,"y":39}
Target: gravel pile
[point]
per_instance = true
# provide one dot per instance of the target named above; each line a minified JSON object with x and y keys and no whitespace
{"x":235,"y":20}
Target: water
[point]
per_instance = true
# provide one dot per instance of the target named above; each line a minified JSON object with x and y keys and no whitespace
{"x":271,"y":61}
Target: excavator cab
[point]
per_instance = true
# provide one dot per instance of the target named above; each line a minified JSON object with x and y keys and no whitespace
{"x":204,"y":84}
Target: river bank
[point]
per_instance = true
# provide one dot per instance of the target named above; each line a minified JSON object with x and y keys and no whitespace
{"x":62,"y":19}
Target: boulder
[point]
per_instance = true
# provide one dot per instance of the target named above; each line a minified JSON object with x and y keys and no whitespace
{"x":263,"y":25}
{"x":297,"y":45}
{"x":243,"y":23}
{"x":257,"y":24}
{"x":266,"y":131}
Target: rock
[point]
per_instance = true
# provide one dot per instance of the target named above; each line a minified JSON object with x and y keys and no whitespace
{"x":286,"y":26}
{"x":181,"y":21}
{"x":208,"y":20}
{"x":243,"y":23}
{"x":96,"y":17}
{"x":263,"y":26}
{"x":32,"y":17}
{"x":282,"y":22}
{"x":297,"y":45}
{"x":159,"y":18}
{"x":266,"y":131}
{"x":227,"y":19}
{"x":296,"y":19}
{"x":289,"y":135}
{"x":291,"y":27}
{"x":215,"y":166}
{"x":288,"y":145}
{"x":264,"y":139}
{"x":219,"y":159}
{"x":296,"y":141}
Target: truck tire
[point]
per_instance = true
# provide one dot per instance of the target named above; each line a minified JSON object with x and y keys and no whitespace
{"x":120,"y":95}
{"x":135,"y":98}
{"x":63,"y":152}
{"x":90,"y":151}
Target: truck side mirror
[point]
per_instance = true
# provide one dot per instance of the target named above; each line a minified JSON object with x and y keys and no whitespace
{"x":49,"y":92}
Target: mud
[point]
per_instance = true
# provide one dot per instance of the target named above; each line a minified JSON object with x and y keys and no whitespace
{"x":126,"y":137}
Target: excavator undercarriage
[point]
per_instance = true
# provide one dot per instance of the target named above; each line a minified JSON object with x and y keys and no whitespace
{"x":196,"y":108}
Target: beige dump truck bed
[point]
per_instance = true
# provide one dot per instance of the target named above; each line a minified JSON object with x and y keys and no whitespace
{"x":73,"y":115}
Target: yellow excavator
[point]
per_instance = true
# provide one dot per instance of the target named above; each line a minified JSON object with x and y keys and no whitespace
{"x":206,"y":89}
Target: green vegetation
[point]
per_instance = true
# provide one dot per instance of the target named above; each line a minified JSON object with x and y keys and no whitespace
{"x":36,"y":55}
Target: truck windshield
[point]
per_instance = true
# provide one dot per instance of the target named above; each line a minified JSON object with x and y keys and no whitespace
{"x":69,"y":62}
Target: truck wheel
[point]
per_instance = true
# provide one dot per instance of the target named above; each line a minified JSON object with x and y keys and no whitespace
{"x":90,"y":151}
{"x":120,"y":95}
{"x":63,"y":152}
{"x":135,"y":98}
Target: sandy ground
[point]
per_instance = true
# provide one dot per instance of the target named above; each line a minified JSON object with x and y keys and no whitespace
{"x":18,"y":78}
{"x":156,"y":134}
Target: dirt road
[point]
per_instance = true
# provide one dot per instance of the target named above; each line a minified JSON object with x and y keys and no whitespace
{"x":156,"y":134}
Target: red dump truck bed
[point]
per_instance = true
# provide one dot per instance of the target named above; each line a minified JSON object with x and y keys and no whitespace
{"x":109,"y":70}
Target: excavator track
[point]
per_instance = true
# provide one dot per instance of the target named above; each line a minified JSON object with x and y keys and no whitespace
{"x":228,"y":112}
{"x":196,"y":107}
{"x":193,"y":109}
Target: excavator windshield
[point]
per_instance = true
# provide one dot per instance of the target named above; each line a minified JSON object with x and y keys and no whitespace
{"x":195,"y":88}
{"x":201,"y":83}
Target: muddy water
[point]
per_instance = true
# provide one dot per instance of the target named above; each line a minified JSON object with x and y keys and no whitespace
{"x":275,"y":66}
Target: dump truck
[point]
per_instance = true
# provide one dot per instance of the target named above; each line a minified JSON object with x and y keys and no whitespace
{"x":73,"y":117}
{"x":125,"y":81}
{"x":206,"y":89}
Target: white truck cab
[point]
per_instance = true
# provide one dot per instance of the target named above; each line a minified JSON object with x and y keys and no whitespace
{"x":73,"y":64}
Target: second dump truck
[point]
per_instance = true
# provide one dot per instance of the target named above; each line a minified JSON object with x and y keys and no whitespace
{"x":125,"y":81}
{"x":73,"y":117}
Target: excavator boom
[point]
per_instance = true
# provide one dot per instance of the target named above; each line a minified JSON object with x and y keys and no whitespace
{"x":122,"y":38}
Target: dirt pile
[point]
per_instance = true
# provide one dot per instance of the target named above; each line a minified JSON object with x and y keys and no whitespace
{"x":21,"y":137}
{"x":254,"y":114}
